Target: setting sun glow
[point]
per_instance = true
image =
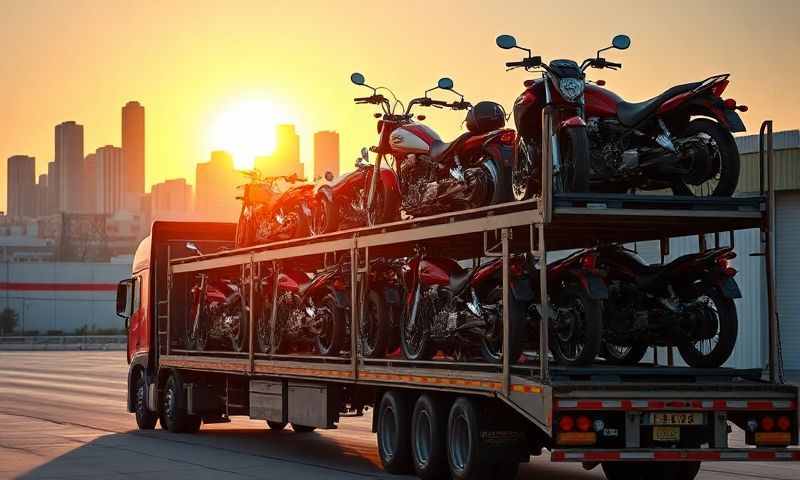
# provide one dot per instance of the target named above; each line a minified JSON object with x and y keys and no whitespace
{"x":246,"y":129}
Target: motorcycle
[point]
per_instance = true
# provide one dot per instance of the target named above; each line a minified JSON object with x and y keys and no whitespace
{"x":656,"y":144}
{"x":268,"y":215}
{"x":450,"y":307}
{"x":688,"y":303}
{"x":311,"y":309}
{"x":434,"y":176}
{"x":342,"y":203}
{"x":218,"y":310}
{"x":380,"y":324}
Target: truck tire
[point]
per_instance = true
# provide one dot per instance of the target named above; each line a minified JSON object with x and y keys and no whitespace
{"x":277,"y":426}
{"x":145,"y":419}
{"x":428,"y":438}
{"x":651,"y":471}
{"x":463,"y":442}
{"x":173,"y":414}
{"x":394,"y":433}
{"x":302,"y":428}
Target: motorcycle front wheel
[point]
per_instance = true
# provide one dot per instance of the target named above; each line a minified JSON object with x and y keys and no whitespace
{"x":492,"y":341}
{"x":714,"y":351}
{"x":196,"y":339}
{"x":415,"y":341}
{"x":264,"y":328}
{"x":332,"y":328}
{"x":576,"y":330}
{"x":574,"y":174}
{"x":720,"y":157}
{"x":324,"y":217}
{"x":241,"y":328}
{"x":623,"y":354}
{"x":374,"y":326}
{"x":385,"y":207}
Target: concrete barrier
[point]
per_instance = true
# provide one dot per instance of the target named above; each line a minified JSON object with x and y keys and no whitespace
{"x":66,"y":342}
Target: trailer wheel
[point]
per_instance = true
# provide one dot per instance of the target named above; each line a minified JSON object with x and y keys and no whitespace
{"x":174,"y":417}
{"x":463,"y":441}
{"x":394,"y":433}
{"x":277,"y":426}
{"x":145,"y":419}
{"x":651,"y":471}
{"x":302,"y":428}
{"x":428,"y":438}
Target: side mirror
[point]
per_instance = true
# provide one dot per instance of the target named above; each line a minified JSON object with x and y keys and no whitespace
{"x":124,"y":298}
{"x":445,"y":83}
{"x":357,"y":78}
{"x":193,"y":247}
{"x":506,"y":42}
{"x":621,"y":42}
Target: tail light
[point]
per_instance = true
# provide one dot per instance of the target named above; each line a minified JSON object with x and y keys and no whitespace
{"x":589,"y":262}
{"x":784,"y":423}
{"x":566,"y":423}
{"x":719,"y":87}
{"x":339,"y":284}
{"x":730,"y":104}
{"x":508,"y":137}
{"x":767,"y":424}
{"x":583,"y":423}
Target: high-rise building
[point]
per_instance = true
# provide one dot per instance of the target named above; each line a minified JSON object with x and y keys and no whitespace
{"x":216,"y":182}
{"x":41,"y":196}
{"x":326,"y":154}
{"x":21,"y":186}
{"x":133,"y":147}
{"x":90,"y":184}
{"x":285,"y":160}
{"x":69,"y":159}
{"x":53,"y":187}
{"x":171,"y":200}
{"x":110,"y":185}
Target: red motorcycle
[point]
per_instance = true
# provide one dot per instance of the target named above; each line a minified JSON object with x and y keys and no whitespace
{"x":269,"y":215}
{"x":656,"y":144}
{"x":452,"y":308}
{"x":435,"y":176}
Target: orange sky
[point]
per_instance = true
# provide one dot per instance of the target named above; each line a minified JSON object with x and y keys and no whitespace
{"x":187,"y":62}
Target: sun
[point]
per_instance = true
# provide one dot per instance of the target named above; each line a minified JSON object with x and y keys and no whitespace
{"x":246,"y":129}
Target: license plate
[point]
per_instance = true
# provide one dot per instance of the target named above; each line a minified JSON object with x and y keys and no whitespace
{"x":678,"y":418}
{"x":666,"y":434}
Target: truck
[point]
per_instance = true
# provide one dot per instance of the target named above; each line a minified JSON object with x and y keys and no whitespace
{"x":460,"y":416}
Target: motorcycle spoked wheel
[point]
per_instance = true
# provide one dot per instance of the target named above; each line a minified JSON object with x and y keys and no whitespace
{"x":386,"y":207}
{"x":324,"y":216}
{"x":264,"y":328}
{"x":492,"y":341}
{"x":623,"y":354}
{"x":196,"y":340}
{"x":375,"y":326}
{"x":331,"y":328}
{"x":240,"y":329}
{"x":524,"y":183}
{"x":723,"y":155}
{"x":575,"y":158}
{"x":714,"y":351}
{"x":416,"y":344}
{"x":576,"y":332}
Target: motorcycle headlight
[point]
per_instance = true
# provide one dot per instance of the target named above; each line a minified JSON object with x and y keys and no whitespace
{"x":571,"y":88}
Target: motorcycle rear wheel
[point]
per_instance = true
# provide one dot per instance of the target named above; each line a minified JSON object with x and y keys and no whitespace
{"x":524,"y":183}
{"x":492,"y":347}
{"x":575,"y":340}
{"x":727,"y":163}
{"x":693,"y":352}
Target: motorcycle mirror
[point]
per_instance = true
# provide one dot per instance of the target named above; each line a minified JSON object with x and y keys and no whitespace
{"x":621,"y":42}
{"x":506,"y":42}
{"x":357,"y":78}
{"x":193,"y":247}
{"x":445,"y":83}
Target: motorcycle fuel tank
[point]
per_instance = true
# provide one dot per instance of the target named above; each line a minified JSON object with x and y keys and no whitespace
{"x":600,"y":102}
{"x":437,"y":271}
{"x":413,"y":138}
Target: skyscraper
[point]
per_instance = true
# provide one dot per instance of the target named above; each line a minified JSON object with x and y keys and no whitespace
{"x":53,"y":188}
{"x":216,"y":182}
{"x":90,"y":184}
{"x":21,"y":187}
{"x":285,"y":160}
{"x":69,"y":160}
{"x":133,"y":147}
{"x":326,"y":154}
{"x":41,"y":196}
{"x":110,"y":189}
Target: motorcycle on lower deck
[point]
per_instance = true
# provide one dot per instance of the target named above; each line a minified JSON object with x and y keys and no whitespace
{"x":680,"y":139}
{"x":451,"y":308}
{"x":218,"y":312}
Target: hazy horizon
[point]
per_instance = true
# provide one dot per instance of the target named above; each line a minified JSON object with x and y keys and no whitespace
{"x":191,"y":63}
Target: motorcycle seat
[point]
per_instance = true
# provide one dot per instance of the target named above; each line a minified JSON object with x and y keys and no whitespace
{"x":459,"y":279}
{"x":631,"y":114}
{"x":441,"y":150}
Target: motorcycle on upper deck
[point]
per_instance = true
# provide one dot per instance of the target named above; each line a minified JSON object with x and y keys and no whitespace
{"x":679,"y":140}
{"x":433,"y":176}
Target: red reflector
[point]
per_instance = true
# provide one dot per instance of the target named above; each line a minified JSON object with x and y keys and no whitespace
{"x":508,"y":137}
{"x":784,"y":423}
{"x":730,"y":104}
{"x":584,"y":424}
{"x":566,"y":424}
{"x":767,"y":424}
{"x":589,"y":262}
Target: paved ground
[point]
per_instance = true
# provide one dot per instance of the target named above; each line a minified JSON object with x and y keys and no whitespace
{"x":62,"y":415}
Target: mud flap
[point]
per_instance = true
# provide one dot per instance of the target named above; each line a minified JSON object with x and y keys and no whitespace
{"x":734,"y":121}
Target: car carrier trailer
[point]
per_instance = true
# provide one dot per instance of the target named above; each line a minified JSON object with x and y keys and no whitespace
{"x":658,"y":421}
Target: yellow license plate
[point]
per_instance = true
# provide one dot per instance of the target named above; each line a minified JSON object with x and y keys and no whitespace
{"x":666,"y":434}
{"x":677,"y":418}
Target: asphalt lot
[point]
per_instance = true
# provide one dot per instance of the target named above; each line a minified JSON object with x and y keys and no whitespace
{"x":62,"y":415}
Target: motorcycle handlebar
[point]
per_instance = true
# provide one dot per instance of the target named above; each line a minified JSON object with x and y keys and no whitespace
{"x":613,"y":65}
{"x":371,"y":99}
{"x":515,"y":64}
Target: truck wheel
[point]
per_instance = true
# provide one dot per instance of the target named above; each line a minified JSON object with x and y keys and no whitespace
{"x":174,"y":417}
{"x":302,"y":428}
{"x":145,"y":419}
{"x":277,"y":426}
{"x":394,"y":433}
{"x":428,"y":438}
{"x":463,"y":442}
